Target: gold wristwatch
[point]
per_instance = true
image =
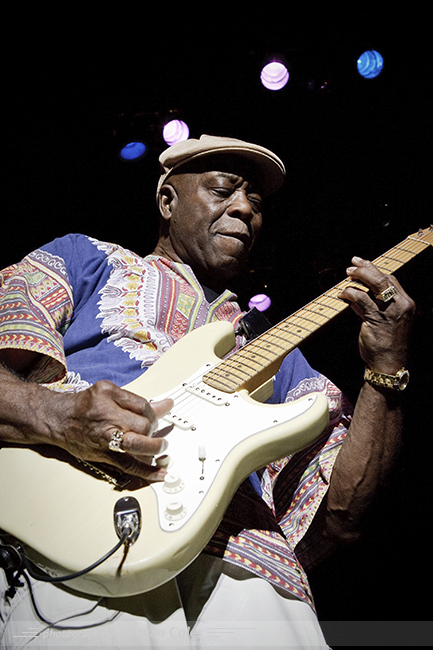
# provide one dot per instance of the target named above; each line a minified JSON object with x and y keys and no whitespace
{"x":399,"y":381}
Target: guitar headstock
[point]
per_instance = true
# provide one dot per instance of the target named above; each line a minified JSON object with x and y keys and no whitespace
{"x":425,"y":235}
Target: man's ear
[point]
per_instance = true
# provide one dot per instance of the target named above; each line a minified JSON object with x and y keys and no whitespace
{"x":166,"y":201}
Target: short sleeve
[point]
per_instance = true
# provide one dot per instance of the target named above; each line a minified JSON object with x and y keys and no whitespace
{"x":36,"y":305}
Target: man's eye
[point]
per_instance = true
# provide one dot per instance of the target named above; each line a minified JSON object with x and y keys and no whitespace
{"x":221,"y":191}
{"x":256,"y":201}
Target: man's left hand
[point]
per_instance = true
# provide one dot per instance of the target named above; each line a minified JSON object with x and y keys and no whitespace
{"x":386,"y":326}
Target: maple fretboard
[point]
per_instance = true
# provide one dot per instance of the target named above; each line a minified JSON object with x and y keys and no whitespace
{"x":259,"y":360}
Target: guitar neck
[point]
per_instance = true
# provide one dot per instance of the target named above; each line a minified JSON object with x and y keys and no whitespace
{"x":259,"y":360}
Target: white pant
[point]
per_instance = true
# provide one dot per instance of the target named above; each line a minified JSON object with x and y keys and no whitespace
{"x":210,"y":605}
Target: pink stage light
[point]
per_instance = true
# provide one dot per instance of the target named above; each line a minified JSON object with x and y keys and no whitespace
{"x":261,"y":301}
{"x":175,"y":131}
{"x":274,"y":76}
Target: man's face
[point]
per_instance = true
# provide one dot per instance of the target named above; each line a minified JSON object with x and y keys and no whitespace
{"x":215,"y":219}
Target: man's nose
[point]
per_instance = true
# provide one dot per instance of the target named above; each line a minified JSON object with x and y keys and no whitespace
{"x":240,"y":206}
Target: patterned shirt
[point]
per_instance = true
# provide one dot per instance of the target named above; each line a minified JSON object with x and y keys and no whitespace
{"x":96,"y":311}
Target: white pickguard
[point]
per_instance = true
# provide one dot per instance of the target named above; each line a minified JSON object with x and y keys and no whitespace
{"x":209,"y":426}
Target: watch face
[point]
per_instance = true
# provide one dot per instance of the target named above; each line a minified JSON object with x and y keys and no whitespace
{"x":402,"y":379}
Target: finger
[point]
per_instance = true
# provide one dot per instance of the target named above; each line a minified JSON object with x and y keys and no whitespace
{"x":135,"y":404}
{"x":143,"y":437}
{"x":140,"y":445}
{"x":369,"y":274}
{"x":137,"y":467}
{"x":359,"y":300}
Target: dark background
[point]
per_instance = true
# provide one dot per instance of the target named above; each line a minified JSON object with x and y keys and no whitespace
{"x":358,"y":158}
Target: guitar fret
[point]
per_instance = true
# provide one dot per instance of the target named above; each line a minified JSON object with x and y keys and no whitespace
{"x":296,"y":317}
{"x":270,"y":333}
{"x":384,"y":269}
{"x":393,"y":259}
{"x":294,"y":333}
{"x":248,"y":365}
{"x":267,"y":351}
{"x":309,"y":320}
{"x":405,"y":250}
{"x":321,"y":315}
{"x":327,"y":306}
{"x":220,"y":374}
{"x":252,"y":357}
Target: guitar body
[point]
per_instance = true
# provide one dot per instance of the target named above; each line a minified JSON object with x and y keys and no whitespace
{"x":64,"y":516}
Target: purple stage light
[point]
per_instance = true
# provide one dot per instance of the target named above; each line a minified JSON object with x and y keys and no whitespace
{"x":274,"y":76}
{"x":175,"y":131}
{"x":261,"y":301}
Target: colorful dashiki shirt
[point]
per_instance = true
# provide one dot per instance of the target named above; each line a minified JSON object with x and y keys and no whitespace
{"x":95,"y":311}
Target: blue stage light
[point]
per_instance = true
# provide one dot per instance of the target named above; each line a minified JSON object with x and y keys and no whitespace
{"x":370,"y":64}
{"x":133,"y":151}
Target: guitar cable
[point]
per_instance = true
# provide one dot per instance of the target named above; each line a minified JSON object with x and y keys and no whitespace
{"x":127,"y":524}
{"x":14,"y":563}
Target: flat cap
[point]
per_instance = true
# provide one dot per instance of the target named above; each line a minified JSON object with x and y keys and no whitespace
{"x":271,"y":169}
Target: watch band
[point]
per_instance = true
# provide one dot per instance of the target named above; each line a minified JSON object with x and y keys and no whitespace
{"x":399,"y":381}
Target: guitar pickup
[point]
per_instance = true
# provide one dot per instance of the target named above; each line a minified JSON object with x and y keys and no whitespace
{"x":206,"y":393}
{"x":178,"y":421}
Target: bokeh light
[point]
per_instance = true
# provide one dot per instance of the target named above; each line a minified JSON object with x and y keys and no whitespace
{"x":175,"y":131}
{"x":274,"y":75}
{"x":133,"y":151}
{"x":370,"y":64}
{"x":261,"y":302}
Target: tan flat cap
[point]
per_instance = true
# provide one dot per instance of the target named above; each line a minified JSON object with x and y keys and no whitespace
{"x":271,"y":168}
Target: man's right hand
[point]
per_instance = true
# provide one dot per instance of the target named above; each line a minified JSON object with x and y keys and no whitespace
{"x":83,"y":423}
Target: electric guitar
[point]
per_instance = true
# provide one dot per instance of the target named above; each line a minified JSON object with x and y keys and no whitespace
{"x":222,"y":432}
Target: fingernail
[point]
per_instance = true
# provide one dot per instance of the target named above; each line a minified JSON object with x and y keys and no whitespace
{"x":356,"y":260}
{"x":164,"y":445}
{"x":160,"y":476}
{"x":351,"y":269}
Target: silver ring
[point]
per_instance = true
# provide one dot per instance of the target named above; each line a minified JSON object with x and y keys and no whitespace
{"x":116,"y":441}
{"x":388,"y":294}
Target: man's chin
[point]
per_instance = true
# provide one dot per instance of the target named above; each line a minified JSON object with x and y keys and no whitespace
{"x":230,"y":267}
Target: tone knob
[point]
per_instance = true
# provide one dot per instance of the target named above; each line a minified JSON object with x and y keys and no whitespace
{"x":175,"y":510}
{"x":172,"y":483}
{"x":174,"y":507}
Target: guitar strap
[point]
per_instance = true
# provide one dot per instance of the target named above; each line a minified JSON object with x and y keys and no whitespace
{"x":253,"y":324}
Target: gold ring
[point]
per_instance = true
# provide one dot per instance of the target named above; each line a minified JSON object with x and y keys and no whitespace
{"x":116,"y":441}
{"x":388,"y":294}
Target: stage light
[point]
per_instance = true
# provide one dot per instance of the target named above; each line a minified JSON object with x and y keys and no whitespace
{"x":370,"y":64}
{"x":175,"y":131}
{"x":274,"y":75}
{"x":133,"y":151}
{"x":261,"y":301}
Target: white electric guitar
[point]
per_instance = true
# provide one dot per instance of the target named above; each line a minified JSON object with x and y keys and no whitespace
{"x":222,"y":433}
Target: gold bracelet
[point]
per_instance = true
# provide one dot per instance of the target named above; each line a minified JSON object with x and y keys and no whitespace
{"x":399,"y":381}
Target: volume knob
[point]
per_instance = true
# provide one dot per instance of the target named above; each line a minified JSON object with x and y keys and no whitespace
{"x":173,"y":483}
